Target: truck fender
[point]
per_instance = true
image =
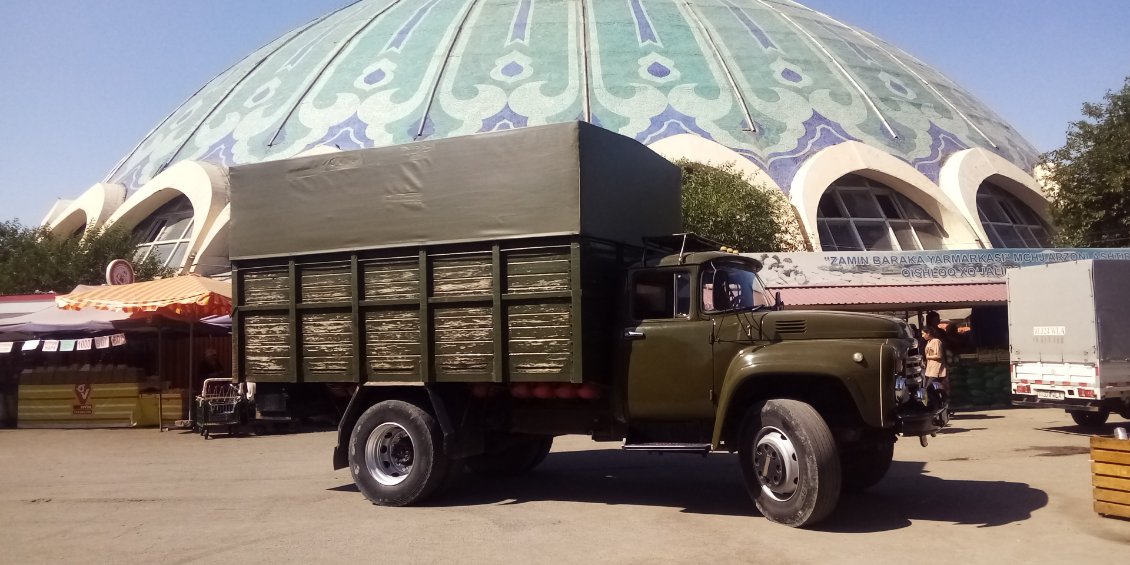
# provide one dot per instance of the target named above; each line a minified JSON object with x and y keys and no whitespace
{"x":371,"y":393}
{"x":793,"y":368}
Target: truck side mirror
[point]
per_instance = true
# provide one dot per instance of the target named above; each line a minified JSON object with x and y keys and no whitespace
{"x":778,"y":304}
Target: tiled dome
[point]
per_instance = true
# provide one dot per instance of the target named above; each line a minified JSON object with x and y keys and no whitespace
{"x":770,"y":79}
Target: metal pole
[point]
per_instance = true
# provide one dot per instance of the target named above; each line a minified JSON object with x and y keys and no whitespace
{"x":160,"y":379}
{"x":191,"y":369}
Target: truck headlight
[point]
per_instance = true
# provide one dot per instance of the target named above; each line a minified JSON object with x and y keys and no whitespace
{"x":902,"y":392}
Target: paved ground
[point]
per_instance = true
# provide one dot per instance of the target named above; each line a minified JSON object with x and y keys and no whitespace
{"x":1001,"y":487}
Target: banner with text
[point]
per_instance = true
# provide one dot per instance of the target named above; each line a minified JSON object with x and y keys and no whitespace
{"x":879,"y":268}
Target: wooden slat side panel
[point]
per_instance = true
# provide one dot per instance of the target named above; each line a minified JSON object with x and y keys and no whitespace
{"x":464,"y":275}
{"x":1114,"y":496}
{"x":261,"y":288}
{"x":392,"y":340}
{"x":1112,"y":483}
{"x":528,"y":272}
{"x":464,"y":341}
{"x":327,"y":345}
{"x":1110,"y":509}
{"x":1107,"y":456}
{"x":266,"y":339}
{"x":1111,"y":470}
{"x":540,"y":339}
{"x":1110,"y":444}
{"x":398,"y":279}
{"x":326,"y":284}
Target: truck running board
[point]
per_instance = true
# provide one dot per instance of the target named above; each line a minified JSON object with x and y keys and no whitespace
{"x":699,"y":448}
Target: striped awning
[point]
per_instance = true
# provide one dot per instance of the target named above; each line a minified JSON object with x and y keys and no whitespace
{"x":189,"y":297}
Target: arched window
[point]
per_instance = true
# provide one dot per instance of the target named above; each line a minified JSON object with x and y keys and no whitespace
{"x":166,"y":232}
{"x":859,"y":214}
{"x":1008,"y":221}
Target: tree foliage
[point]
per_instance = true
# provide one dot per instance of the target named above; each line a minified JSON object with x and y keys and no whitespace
{"x":720,"y":203}
{"x":1089,"y":177}
{"x":34,"y":260}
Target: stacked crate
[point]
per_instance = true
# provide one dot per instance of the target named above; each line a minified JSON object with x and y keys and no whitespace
{"x":1110,"y":471}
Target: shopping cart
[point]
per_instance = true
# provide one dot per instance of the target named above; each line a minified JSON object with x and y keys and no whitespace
{"x":220,"y":405}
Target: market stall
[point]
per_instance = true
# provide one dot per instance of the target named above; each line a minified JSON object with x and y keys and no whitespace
{"x":126,"y":362}
{"x":162,"y":305}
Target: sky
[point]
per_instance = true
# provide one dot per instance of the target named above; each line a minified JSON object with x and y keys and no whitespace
{"x":81,"y":83}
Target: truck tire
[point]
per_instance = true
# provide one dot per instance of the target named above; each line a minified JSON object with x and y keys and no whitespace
{"x":396,"y":454}
{"x":518,"y":457}
{"x":790,"y":462}
{"x":1090,"y":419}
{"x":865,"y":464}
{"x":545,"y":445}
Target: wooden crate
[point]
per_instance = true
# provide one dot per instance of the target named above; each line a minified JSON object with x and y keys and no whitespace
{"x":1110,"y":472}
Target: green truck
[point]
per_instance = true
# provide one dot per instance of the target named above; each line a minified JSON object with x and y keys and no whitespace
{"x":484,"y":294}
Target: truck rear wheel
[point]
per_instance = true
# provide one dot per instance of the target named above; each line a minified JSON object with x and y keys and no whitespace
{"x":790,"y":462}
{"x":1090,"y":419}
{"x":865,"y":464}
{"x":521,"y":455}
{"x":396,"y":454}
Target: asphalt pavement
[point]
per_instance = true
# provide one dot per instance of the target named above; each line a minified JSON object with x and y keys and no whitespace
{"x":1002,"y":486}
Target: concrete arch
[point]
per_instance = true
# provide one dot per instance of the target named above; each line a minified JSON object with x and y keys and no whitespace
{"x":697,"y":148}
{"x":825,"y":167}
{"x":204,"y":184}
{"x":212,"y":255}
{"x":91,"y":210}
{"x":964,"y":172}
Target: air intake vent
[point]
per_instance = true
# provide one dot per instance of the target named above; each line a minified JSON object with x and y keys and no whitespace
{"x":791,"y":326}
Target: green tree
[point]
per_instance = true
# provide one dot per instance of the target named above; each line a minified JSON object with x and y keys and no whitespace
{"x":32,"y":259}
{"x":720,"y":203}
{"x":1088,"y":178}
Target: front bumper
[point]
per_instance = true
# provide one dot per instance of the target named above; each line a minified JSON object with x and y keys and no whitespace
{"x":922,"y":423}
{"x":1080,"y":404}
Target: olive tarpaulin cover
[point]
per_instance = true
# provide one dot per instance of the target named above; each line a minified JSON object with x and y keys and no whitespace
{"x":564,"y":179}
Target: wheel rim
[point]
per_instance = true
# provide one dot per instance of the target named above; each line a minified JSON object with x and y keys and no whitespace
{"x":776,"y":464}
{"x":389,"y":454}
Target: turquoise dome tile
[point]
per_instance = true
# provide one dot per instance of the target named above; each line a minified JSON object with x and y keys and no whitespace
{"x":770,"y":79}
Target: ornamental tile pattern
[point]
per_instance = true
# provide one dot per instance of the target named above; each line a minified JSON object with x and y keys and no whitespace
{"x":770,"y":79}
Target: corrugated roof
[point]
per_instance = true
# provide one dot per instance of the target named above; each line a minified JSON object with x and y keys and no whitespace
{"x":28,"y":297}
{"x":892,"y":296}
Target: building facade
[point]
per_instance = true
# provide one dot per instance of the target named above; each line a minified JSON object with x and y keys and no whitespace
{"x":874,"y":149}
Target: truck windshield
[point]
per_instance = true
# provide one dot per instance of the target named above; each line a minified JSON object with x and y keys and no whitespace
{"x":731,"y":286}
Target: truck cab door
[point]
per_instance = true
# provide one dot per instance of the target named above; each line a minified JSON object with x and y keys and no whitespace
{"x":669,"y":362}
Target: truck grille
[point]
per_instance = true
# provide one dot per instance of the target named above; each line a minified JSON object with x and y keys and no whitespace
{"x":914,"y":363}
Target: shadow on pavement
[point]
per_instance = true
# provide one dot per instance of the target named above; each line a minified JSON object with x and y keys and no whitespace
{"x":951,"y":429}
{"x":257,"y":430}
{"x":1105,"y":430}
{"x":715,"y":486}
{"x":1055,"y":450}
{"x":959,"y":415}
{"x":908,"y":494}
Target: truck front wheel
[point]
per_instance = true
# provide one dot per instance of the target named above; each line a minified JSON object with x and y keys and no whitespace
{"x":396,"y":454}
{"x":790,"y":462}
{"x":1090,"y":419}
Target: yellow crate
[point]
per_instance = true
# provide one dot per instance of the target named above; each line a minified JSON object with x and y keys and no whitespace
{"x":94,"y":405}
{"x":1110,"y":476}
